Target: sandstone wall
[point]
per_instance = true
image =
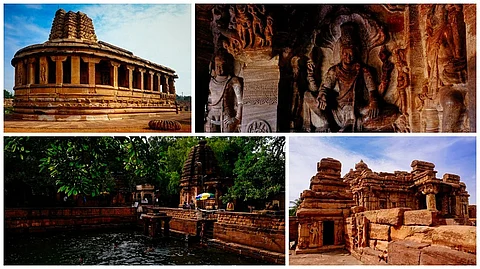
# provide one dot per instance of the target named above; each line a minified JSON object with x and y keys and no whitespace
{"x":48,"y":219}
{"x":254,"y":230}
{"x":293,"y":229}
{"x":402,"y":236}
{"x":183,"y":220}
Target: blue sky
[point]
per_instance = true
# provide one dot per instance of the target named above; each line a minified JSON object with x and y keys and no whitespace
{"x":454,"y":155}
{"x":159,"y":33}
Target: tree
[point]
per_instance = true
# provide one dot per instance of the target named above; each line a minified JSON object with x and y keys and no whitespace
{"x":22,"y":179}
{"x":7,"y":94}
{"x":293,"y":209}
{"x":81,"y":165}
{"x":259,"y":170}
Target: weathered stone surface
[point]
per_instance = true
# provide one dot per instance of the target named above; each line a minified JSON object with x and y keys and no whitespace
{"x":404,"y":252}
{"x":419,"y":234}
{"x":379,"y":231}
{"x":380,"y":245}
{"x":421,"y":217}
{"x":392,"y":216}
{"x":371,"y":256}
{"x":439,"y":255}
{"x":357,"y":209}
{"x":456,"y":236}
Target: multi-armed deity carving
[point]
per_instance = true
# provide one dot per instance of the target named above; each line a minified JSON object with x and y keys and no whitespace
{"x":353,"y":68}
{"x":349,"y":98}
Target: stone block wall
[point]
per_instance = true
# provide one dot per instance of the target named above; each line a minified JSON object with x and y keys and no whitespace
{"x":402,"y":236}
{"x":293,"y":229}
{"x":183,"y":220}
{"x":50,"y":219}
{"x":254,"y":230}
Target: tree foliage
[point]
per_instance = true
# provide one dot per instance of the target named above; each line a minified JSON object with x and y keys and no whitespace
{"x":259,"y":169}
{"x":91,"y":165}
{"x":7,"y":94}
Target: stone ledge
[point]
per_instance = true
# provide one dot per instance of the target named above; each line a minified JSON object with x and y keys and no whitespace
{"x":269,"y":256}
{"x":437,"y":255}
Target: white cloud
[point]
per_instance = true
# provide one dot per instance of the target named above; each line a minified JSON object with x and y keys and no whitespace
{"x":384,"y":154}
{"x":158,"y":33}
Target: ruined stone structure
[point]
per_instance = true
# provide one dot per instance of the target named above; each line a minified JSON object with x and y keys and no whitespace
{"x":323,"y":210}
{"x":73,"y":76}
{"x":418,"y":189}
{"x":202,"y":174}
{"x":344,"y":68}
{"x":378,"y":215}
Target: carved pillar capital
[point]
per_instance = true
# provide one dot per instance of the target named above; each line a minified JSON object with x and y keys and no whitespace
{"x":91,"y":60}
{"x":58,"y":58}
{"x":115,"y":64}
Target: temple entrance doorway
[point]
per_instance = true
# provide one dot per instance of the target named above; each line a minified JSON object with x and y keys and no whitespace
{"x":328,"y":233}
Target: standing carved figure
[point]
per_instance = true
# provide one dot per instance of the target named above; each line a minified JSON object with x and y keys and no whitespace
{"x":403,"y":80}
{"x":242,"y":24}
{"x":216,"y":26}
{"x":269,"y":31}
{"x":387,"y":68}
{"x":225,"y":99}
{"x":257,"y":26}
{"x":314,"y":231}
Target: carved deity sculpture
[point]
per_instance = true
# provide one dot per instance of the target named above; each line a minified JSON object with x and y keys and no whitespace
{"x":387,"y":68}
{"x":348,"y":92}
{"x":403,"y":80}
{"x":225,"y":99}
{"x":314,"y":234}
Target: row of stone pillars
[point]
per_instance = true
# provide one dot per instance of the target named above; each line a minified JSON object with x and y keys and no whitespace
{"x":30,"y":73}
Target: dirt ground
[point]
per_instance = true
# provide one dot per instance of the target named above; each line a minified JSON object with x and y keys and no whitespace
{"x":131,"y":125}
{"x":338,"y":257}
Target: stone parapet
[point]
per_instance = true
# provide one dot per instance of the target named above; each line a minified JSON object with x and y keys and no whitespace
{"x":51,"y":219}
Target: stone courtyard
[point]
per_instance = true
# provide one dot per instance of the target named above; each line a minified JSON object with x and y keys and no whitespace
{"x":120,"y":125}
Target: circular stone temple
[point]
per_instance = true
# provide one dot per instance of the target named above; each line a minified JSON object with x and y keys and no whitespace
{"x":73,"y":76}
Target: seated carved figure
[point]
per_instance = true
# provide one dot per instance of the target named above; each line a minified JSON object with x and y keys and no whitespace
{"x":346,"y":98}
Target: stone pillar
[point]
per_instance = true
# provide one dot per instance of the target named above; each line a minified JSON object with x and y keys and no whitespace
{"x":151,"y":80}
{"x":171,"y":86}
{"x":458,"y":206}
{"x":470,"y":13}
{"x":166,"y":227}
{"x":31,"y":71}
{"x":445,"y":205}
{"x":431,"y":203}
{"x":91,"y":69}
{"x":130,"y":69}
{"x":43,"y":70}
{"x":141,"y":70}
{"x":415,"y":62}
{"x":75,"y":62}
{"x":19,"y":74}
{"x":59,"y":68}
{"x":115,"y":74}
{"x":159,"y":82}
{"x":165,"y":88}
